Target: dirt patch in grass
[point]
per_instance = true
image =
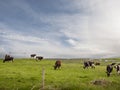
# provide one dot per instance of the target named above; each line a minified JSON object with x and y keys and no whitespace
{"x":101,"y":82}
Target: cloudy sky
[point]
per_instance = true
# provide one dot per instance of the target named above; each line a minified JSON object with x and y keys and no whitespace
{"x":60,"y":28}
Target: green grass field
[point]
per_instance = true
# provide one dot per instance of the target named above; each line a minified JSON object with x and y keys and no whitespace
{"x":26,"y":74}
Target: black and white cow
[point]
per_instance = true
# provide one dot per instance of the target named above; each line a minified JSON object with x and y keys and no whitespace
{"x":88,"y":64}
{"x":8,"y":58}
{"x":117,"y":67}
{"x":33,"y":55}
{"x":39,"y":58}
{"x":109,"y":69}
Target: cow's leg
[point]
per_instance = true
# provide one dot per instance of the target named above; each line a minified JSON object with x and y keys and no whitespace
{"x":59,"y":67}
{"x":93,"y":66}
{"x":108,"y":74}
{"x":12,"y":60}
{"x":87,"y":67}
{"x":3,"y":61}
{"x":84,"y":67}
{"x":55,"y":67}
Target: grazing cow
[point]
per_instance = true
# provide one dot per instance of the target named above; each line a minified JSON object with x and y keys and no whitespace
{"x":33,"y":55}
{"x":97,"y":63}
{"x":8,"y":58}
{"x":88,"y":64}
{"x":109,"y":69}
{"x":57,"y":64}
{"x":113,"y":64}
{"x":117,"y":67}
{"x":39,"y":58}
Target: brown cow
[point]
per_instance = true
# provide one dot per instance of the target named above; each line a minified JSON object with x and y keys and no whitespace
{"x":57,"y":64}
{"x":97,"y":63}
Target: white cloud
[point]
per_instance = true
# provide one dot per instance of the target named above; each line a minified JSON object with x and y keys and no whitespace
{"x":91,"y":31}
{"x":98,"y":33}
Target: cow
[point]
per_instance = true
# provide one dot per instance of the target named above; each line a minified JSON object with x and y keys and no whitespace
{"x":88,"y":64}
{"x":39,"y":58}
{"x":109,"y":69}
{"x":97,"y":63}
{"x":117,"y":67}
{"x":33,"y":55}
{"x":57,"y":64}
{"x":8,"y":58}
{"x":113,"y":64}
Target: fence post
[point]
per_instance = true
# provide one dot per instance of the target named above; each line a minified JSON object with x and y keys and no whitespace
{"x":43,"y":78}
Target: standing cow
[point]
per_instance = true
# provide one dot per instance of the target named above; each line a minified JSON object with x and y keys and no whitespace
{"x":39,"y":58}
{"x":109,"y":69}
{"x":8,"y":58}
{"x":88,"y":64}
{"x":97,"y":63}
{"x":33,"y":55}
{"x":117,"y":67}
{"x":57,"y":64}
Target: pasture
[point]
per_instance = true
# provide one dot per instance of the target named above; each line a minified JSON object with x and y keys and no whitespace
{"x":26,"y":74}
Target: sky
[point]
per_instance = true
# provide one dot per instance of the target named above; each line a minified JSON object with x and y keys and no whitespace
{"x":60,"y":28}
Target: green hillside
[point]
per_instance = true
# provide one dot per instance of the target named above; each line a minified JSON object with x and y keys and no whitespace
{"x":26,"y":74}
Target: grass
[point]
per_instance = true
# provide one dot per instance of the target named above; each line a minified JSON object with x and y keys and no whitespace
{"x":26,"y":74}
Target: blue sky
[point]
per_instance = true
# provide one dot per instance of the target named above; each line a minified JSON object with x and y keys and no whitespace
{"x":60,"y":28}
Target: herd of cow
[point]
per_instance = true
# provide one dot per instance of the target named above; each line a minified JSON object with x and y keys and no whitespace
{"x":109,"y":68}
{"x":56,"y":66}
{"x":10,"y":58}
{"x":37,"y":57}
{"x":86,"y":64}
